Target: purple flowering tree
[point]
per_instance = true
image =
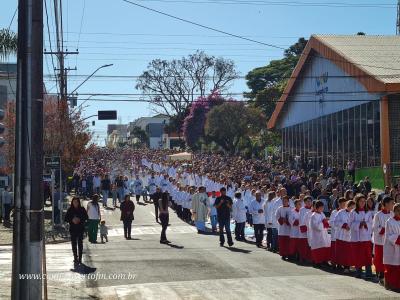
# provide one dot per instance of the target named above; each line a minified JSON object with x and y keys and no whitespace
{"x":193,"y":125}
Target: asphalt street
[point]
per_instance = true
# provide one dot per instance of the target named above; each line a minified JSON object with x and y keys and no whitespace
{"x":192,"y":267}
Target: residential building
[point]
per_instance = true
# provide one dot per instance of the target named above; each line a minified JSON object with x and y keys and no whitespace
{"x":154,"y":128}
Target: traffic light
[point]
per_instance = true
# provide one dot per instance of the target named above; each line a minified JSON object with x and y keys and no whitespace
{"x":107,"y":115}
{"x":2,"y":128}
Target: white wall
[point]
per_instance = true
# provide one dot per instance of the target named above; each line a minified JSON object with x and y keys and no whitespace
{"x":304,"y":102}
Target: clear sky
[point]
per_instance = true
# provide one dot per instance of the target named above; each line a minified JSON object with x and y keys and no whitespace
{"x":113,"y":31}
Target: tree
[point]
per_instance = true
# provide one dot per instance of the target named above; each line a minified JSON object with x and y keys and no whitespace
{"x":73,"y":132}
{"x":193,"y":126}
{"x":268,"y":83}
{"x":231,"y":121}
{"x":140,"y":134}
{"x":172,"y":86}
{"x":8,"y":43}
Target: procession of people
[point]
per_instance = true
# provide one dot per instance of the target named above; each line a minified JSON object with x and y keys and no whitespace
{"x":320,"y":217}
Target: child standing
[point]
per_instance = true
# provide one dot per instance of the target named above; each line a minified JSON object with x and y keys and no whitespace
{"x":341,"y":205}
{"x":320,"y":241}
{"x":343,"y":244}
{"x":391,"y":251}
{"x":103,"y":231}
{"x":303,"y":247}
{"x":294,"y":220}
{"x":378,"y":234}
{"x":361,"y":233}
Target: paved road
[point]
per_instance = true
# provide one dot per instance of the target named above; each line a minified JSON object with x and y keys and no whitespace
{"x":193,"y":267}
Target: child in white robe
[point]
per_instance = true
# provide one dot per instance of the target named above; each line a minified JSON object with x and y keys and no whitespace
{"x":343,"y":245}
{"x":320,"y":241}
{"x":361,"y":234}
{"x":294,"y":220}
{"x":282,"y":215}
{"x":303,"y":246}
{"x":391,"y":251}
{"x":378,"y":234}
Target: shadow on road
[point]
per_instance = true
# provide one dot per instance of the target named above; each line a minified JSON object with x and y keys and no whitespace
{"x":84,"y":269}
{"x":141,"y":203}
{"x":175,"y":246}
{"x":234,"y":249}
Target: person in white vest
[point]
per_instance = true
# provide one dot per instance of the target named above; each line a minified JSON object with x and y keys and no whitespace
{"x":269,"y":218}
{"x":257,"y":212}
{"x":239,"y":215}
{"x":391,"y":250}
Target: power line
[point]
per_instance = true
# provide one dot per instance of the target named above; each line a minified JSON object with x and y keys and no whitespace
{"x":237,"y":101}
{"x":228,"y":94}
{"x":48,"y":33}
{"x":202,"y":26}
{"x":175,"y":35}
{"x":238,"y":77}
{"x":282,"y":3}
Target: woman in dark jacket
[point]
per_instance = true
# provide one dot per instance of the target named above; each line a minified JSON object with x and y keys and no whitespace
{"x":127,"y":208}
{"x":76,"y":216}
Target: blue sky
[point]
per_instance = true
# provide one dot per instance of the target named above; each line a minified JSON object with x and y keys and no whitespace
{"x":116,"y":32}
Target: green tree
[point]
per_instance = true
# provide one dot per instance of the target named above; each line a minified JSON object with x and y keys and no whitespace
{"x":140,"y":134}
{"x":267,"y":83}
{"x":8,"y":43}
{"x":230,"y":122}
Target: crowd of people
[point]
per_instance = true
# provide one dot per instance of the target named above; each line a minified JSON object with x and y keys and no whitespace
{"x":321,"y":217}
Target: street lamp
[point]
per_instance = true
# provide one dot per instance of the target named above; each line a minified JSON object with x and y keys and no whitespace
{"x":101,"y":67}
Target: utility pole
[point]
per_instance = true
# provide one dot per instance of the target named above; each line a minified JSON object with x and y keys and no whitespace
{"x":63,"y":102}
{"x":398,"y":18}
{"x":28,"y":190}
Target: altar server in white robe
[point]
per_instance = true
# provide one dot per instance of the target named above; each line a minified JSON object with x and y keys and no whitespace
{"x":320,"y":242}
{"x":391,"y":251}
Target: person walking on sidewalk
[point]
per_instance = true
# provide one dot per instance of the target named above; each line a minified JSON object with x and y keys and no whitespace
{"x":76,"y":217}
{"x":127,"y":209}
{"x":93,"y":211}
{"x":164,"y":217}
{"x":7,"y":204}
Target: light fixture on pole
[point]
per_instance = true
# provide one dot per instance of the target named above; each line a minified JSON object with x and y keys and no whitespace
{"x":101,"y":67}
